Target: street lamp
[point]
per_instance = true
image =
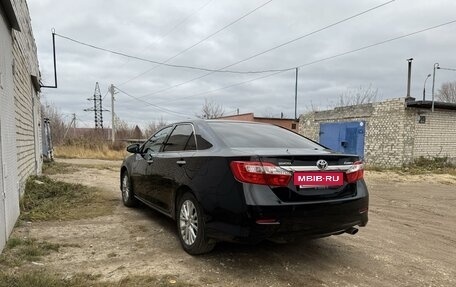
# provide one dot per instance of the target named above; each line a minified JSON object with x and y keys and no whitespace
{"x":436,"y":66}
{"x":424,"y":87}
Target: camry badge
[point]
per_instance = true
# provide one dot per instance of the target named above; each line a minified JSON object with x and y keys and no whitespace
{"x":322,"y":164}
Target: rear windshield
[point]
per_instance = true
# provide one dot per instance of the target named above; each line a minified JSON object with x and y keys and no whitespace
{"x":239,"y":135}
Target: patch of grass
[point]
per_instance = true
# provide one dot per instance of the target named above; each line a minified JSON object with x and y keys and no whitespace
{"x":44,"y":278}
{"x":20,"y":250}
{"x":162,"y":281}
{"x":374,"y":168}
{"x":52,"y":167}
{"x":422,"y":165}
{"x":45,"y":199}
{"x":102,"y":151}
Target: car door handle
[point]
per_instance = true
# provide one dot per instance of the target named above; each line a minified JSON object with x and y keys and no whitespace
{"x":181,"y":162}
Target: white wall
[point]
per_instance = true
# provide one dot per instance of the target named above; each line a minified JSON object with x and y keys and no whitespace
{"x":9,"y":190}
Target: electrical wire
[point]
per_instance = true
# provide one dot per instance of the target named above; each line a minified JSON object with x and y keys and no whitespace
{"x":153,"y":105}
{"x":156,"y":62}
{"x":322,"y":59}
{"x":222,"y":69}
{"x":105,"y":95}
{"x":271,"y":49}
{"x":185,"y":19}
{"x":162,"y":37}
{"x":200,"y":41}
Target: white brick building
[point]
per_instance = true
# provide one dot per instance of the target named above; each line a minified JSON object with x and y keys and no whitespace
{"x":389,"y":133}
{"x":20,"y":114}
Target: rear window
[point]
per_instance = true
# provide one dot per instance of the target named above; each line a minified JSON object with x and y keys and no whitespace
{"x":249,"y":135}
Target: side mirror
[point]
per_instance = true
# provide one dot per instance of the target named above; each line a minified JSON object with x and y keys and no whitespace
{"x":133,"y":148}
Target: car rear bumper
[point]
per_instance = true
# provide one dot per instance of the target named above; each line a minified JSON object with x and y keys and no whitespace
{"x":303,"y":220}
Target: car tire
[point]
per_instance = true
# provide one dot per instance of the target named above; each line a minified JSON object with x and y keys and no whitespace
{"x":191,"y":226}
{"x":128,"y":196}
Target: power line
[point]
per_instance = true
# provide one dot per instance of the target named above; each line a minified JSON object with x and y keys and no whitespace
{"x":322,"y":59}
{"x":153,"y":105}
{"x":271,"y":49}
{"x":307,"y":35}
{"x":156,"y":62}
{"x":221,"y":70}
{"x":105,"y":95}
{"x":200,"y":41}
{"x":185,"y":19}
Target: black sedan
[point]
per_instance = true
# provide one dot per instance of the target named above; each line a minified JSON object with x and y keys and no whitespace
{"x":244,"y":182}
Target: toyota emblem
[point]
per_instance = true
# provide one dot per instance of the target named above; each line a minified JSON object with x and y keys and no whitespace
{"x":322,"y":164}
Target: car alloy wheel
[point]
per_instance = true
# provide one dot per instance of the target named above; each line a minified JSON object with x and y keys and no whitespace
{"x":188,"y":222}
{"x":125,"y":188}
{"x":127,"y":193}
{"x":191,"y":226}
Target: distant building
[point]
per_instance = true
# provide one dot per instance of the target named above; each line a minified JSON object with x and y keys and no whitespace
{"x":290,"y":124}
{"x":20,"y":110}
{"x":389,"y":133}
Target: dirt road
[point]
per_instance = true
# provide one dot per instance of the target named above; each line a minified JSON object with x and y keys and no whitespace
{"x":410,"y":241}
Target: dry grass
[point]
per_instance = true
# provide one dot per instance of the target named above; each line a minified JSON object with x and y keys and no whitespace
{"x":97,"y":152}
{"x":51,"y":168}
{"x":422,"y":165}
{"x":46,"y":199}
{"x":41,"y":277}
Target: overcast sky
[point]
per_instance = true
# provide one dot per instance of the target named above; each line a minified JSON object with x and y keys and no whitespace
{"x":160,"y":29}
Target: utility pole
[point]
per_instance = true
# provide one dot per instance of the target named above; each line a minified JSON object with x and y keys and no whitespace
{"x":436,"y":66}
{"x":72,"y":123}
{"x":113,"y":115}
{"x":409,"y":76}
{"x":296,"y":95}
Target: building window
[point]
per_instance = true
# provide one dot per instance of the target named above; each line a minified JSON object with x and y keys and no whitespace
{"x":293,"y":126}
{"x":422,"y":120}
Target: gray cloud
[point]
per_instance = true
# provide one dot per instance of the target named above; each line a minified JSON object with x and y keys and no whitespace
{"x":138,"y":28}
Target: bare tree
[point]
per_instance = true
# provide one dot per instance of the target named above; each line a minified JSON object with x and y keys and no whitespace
{"x":312,"y":107}
{"x":123,"y":129}
{"x":211,"y":110}
{"x":447,"y":93}
{"x":357,"y":96}
{"x":154,"y":126}
{"x":57,"y":122}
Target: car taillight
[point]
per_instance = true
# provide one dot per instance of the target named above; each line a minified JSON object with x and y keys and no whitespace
{"x":256,"y":172}
{"x":356,"y":172}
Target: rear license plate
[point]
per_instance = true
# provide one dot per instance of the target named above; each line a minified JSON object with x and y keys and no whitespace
{"x":318,"y":178}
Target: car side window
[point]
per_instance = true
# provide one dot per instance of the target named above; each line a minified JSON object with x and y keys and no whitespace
{"x":182,"y":138}
{"x":153,"y":145}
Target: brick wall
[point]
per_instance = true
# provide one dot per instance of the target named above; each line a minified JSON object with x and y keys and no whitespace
{"x":388,"y":132}
{"x":27,"y":101}
{"x":9,"y":195}
{"x":437,"y":136}
{"x":393,"y":135}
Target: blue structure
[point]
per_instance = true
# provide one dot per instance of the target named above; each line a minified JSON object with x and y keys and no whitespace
{"x":346,"y":137}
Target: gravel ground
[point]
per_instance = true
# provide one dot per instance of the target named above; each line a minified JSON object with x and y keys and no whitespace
{"x":410,"y":241}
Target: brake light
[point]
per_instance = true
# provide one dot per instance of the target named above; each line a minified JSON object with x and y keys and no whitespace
{"x":356,"y":172}
{"x":256,"y":172}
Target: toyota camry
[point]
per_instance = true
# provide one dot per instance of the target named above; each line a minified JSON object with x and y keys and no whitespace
{"x":244,"y":182}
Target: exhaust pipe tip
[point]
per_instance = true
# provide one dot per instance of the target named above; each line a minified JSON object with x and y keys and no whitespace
{"x":352,"y":230}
